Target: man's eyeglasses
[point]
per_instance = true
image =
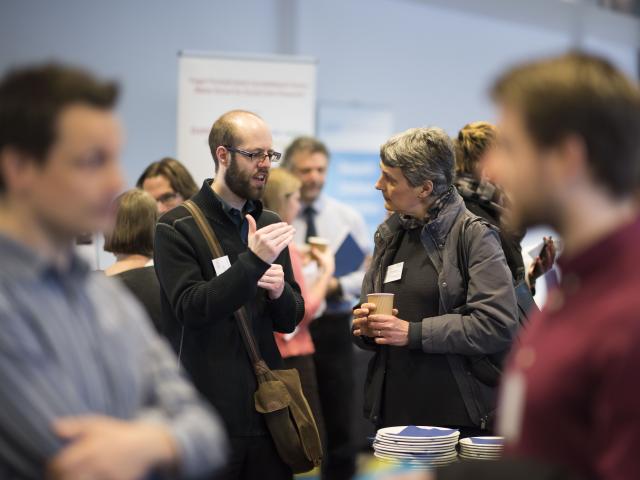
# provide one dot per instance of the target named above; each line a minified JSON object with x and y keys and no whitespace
{"x":257,"y":157}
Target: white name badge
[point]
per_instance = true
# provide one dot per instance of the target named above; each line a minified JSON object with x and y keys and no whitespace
{"x":511,"y":407}
{"x":394,"y":272}
{"x":221,"y":264}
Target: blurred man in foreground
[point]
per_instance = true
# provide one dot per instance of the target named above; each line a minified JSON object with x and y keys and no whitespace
{"x":88,"y":389}
{"x":571,"y":159}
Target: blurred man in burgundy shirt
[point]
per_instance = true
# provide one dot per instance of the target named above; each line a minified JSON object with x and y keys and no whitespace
{"x":570,"y":138}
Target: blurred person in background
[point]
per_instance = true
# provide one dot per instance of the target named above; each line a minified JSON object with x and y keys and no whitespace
{"x":169,"y":182}
{"x":437,"y":359}
{"x":88,"y":388}
{"x":282,"y":195}
{"x":321,"y":215}
{"x":571,"y":159}
{"x":474,"y":147}
{"x":131,"y":241}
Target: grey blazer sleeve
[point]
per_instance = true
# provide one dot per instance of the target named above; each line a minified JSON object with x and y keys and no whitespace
{"x":488,"y":322}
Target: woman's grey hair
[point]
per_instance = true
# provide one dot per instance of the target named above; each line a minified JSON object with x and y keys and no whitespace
{"x":422,"y":154}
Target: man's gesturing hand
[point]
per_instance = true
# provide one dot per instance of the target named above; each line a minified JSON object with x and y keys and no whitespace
{"x":268,"y":242}
{"x":273,"y":281}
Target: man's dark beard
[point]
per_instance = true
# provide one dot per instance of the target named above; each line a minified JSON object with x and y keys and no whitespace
{"x":240,"y":182}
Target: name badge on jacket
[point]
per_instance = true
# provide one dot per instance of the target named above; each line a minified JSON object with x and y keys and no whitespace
{"x":511,"y":406}
{"x":394,"y":272}
{"x":221,"y":264}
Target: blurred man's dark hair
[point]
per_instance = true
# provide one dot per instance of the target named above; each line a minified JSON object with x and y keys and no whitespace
{"x":32,"y":98}
{"x":586,"y":96}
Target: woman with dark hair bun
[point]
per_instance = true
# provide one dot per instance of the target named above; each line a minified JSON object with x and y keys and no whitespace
{"x":474,"y":146}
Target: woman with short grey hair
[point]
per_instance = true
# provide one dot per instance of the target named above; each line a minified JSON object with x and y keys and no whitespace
{"x":438,"y":357}
{"x":423,"y":154}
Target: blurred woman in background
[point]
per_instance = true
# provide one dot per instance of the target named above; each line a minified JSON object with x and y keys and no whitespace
{"x":282,"y":195}
{"x":131,"y":241}
{"x":474,"y":146}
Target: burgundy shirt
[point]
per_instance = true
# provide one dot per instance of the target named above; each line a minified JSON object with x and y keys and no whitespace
{"x":580,"y":362}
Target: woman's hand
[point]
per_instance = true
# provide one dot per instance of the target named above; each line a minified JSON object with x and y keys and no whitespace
{"x":362,"y":322}
{"x":389,"y":329}
{"x":543,"y":263}
{"x":326,"y":260}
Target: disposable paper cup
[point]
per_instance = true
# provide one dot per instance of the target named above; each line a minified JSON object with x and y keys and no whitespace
{"x":383,"y":302}
{"x":318,"y":242}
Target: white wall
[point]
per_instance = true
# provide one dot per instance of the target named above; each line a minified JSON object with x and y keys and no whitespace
{"x":429,"y":61}
{"x":429,"y":64}
{"x":137,"y":42}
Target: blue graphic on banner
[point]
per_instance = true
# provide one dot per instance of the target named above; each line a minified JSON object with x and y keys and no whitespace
{"x":351,"y":179}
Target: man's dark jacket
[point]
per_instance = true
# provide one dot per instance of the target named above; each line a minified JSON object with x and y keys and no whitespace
{"x":193,"y":297}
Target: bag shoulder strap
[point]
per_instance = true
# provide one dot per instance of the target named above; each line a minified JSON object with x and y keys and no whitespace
{"x":462,"y":250}
{"x":205,"y":229}
{"x":526,"y":304}
{"x":241,"y":314}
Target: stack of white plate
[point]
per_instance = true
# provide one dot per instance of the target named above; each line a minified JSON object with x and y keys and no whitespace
{"x":418,"y":447}
{"x":481,"y":448}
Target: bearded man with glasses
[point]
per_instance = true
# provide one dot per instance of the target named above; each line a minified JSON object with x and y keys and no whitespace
{"x":199,"y":296}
